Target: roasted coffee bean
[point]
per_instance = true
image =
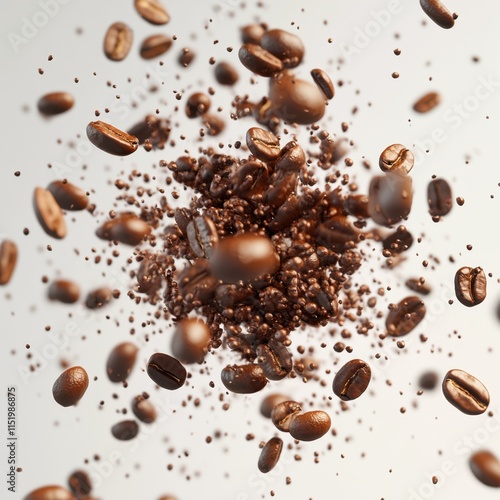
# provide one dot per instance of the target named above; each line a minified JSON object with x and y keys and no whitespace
{"x":51,"y":492}
{"x":252,"y":33}
{"x":118,"y":41}
{"x":324,"y":82}
{"x":296,"y":101}
{"x":196,"y":283}
{"x":270,"y":455}
{"x":98,"y":298}
{"x":283,"y":414}
{"x":80,"y":484}
{"x":155,"y":45}
{"x":310,"y":426}
{"x":396,"y":158}
{"x":258,"y":60}
{"x":250,"y":180}
{"x":186,"y":57}
{"x":427,"y":102}
{"x":269,"y":402}
{"x":281,"y":187}
{"x":8,"y":260}
{"x":352,"y":380}
{"x":49,"y":213}
{"x":214,"y":124}
{"x":68,"y":196}
{"x":166,"y":371}
{"x":428,"y":380}
{"x":486,"y":467}
{"x":399,"y":241}
{"x":144,"y":410}
{"x":64,"y":291}
{"x":356,"y":205}
{"x":337,"y":232}
{"x":418,"y":285}
{"x":275,"y":360}
{"x":439,"y":197}
{"x":190,"y":340}
{"x":167,"y":497}
{"x":291,"y":159}
{"x":70,"y":386}
{"x":438,"y":13}
{"x":125,"y":430}
{"x":149,"y":277}
{"x":183,"y":217}
{"x":243,"y":379}
{"x":202,"y":236}
{"x":465,"y":392}
{"x":226,"y":74}
{"x":120,"y":361}
{"x":262,"y":144}
{"x":110,"y":139}
{"x":244,"y":256}
{"x":152,"y":11}
{"x":197,"y":105}
{"x":126,"y":228}
{"x":470,"y":286}
{"x":55,"y":103}
{"x":405,"y":316}
{"x":284,"y":45}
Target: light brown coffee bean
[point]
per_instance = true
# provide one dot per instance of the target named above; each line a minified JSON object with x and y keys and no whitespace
{"x":352,"y":380}
{"x":465,"y":392}
{"x":405,"y":316}
{"x":324,"y":82}
{"x":68,"y":196}
{"x":8,"y":260}
{"x":55,"y":103}
{"x":49,"y":213}
{"x":396,"y":157}
{"x":118,"y":41}
{"x":125,"y":430}
{"x":70,"y":386}
{"x":51,"y":492}
{"x":190,"y":340}
{"x":64,"y":291}
{"x":427,"y":102}
{"x":98,"y":298}
{"x":310,"y":426}
{"x":270,"y":455}
{"x":111,"y":139}
{"x":470,"y":286}
{"x":202,"y":236}
{"x":155,"y":45}
{"x":438,"y":13}
{"x":120,"y":361}
{"x":152,"y":11}
{"x":243,"y":379}
{"x":486,"y":467}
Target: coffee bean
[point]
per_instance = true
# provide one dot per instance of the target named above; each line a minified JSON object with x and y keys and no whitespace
{"x":118,"y":41}
{"x":196,"y":283}
{"x":269,"y":402}
{"x":80,"y":484}
{"x":55,"y":103}
{"x":197,"y":105}
{"x":465,"y":392}
{"x":110,"y":139}
{"x":486,"y":467}
{"x":324,"y":82}
{"x":270,"y":455}
{"x":68,"y":196}
{"x":428,"y":380}
{"x":284,"y":45}
{"x":49,"y":213}
{"x":356,"y":205}
{"x":166,"y":371}
{"x":226,"y":74}
{"x":214,"y":124}
{"x":438,"y":13}
{"x":120,"y":361}
{"x":396,"y":157}
{"x":281,"y":187}
{"x":126,"y":228}
{"x":470,"y":286}
{"x":244,"y":256}
{"x":337,"y":232}
{"x":250,"y":180}
{"x":186,"y":57}
{"x":98,"y":298}
{"x":310,"y":426}
{"x":405,"y":316}
{"x":8,"y":260}
{"x":291,"y":159}
{"x":399,"y":241}
{"x":144,"y":410}
{"x":243,"y":379}
{"x":64,"y":291}
{"x":155,"y":45}
{"x":125,"y":430}
{"x":183,"y":217}
{"x":152,"y":11}
{"x":191,"y":340}
{"x":439,"y":197}
{"x":202,"y":236}
{"x":70,"y":386}
{"x":264,"y":145}
{"x":275,"y":360}
{"x":149,"y":277}
{"x":252,"y":33}
{"x":51,"y":492}
{"x":427,"y":102}
{"x":418,"y":285}
{"x":258,"y":60}
{"x":352,"y":380}
{"x":283,"y":414}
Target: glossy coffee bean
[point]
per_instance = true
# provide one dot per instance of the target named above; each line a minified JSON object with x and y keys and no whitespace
{"x":264,"y":145}
{"x":70,"y":386}
{"x":250,"y":180}
{"x":470,"y":286}
{"x":352,"y":380}
{"x":125,"y":430}
{"x":310,"y":426}
{"x":80,"y":484}
{"x":51,"y":492}
{"x":64,"y":291}
{"x":438,"y":13}
{"x":259,"y":60}
{"x":405,"y":316}
{"x":275,"y":360}
{"x":190,"y":340}
{"x":284,"y":45}
{"x":120,"y":361}
{"x":243,"y":379}
{"x":323,"y":81}
{"x":196,"y":282}
{"x":399,"y":241}
{"x":144,"y":410}
{"x":126,"y":228}
{"x":118,"y":41}
{"x":486,"y":467}
{"x":283,"y":414}
{"x":8,"y":260}
{"x":252,"y":33}
{"x":166,"y":371}
{"x":197,"y":105}
{"x":55,"y":103}
{"x":152,"y":11}
{"x":270,"y":455}
{"x":49,"y":213}
{"x":110,"y":139}
{"x":396,"y":158}
{"x":68,"y":196}
{"x":465,"y":392}
{"x":202,"y":236}
{"x":439,"y":197}
{"x":154,"y":46}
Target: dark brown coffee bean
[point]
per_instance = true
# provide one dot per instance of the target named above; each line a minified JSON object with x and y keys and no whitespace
{"x":152,"y":11}
{"x":310,"y":426}
{"x":125,"y":430}
{"x":438,"y":13}
{"x":283,"y":414}
{"x":252,"y":33}
{"x":196,"y":283}
{"x":183,"y":217}
{"x":80,"y":484}
{"x":143,"y":409}
{"x":55,"y":103}
{"x":324,"y":82}
{"x":49,"y":213}
{"x":214,"y":124}
{"x":155,"y":45}
{"x":418,"y":285}
{"x":284,"y":45}
{"x":296,"y":101}
{"x":396,"y":157}
{"x":262,"y":144}
{"x":465,"y":392}
{"x":291,"y":159}
{"x":8,"y":260}
{"x":244,"y":256}
{"x":428,"y":380}
{"x":258,"y":60}
{"x":281,"y":187}
{"x":269,"y":402}
{"x":70,"y":386}
{"x":120,"y":361}
{"x":51,"y":492}
{"x":197,"y":105}
{"x":126,"y":228}
{"x":399,"y":241}
{"x":250,"y":180}
{"x":427,"y":102}
{"x":275,"y":360}
{"x":337,"y":232}
{"x":166,"y":371}
{"x":270,"y":455}
{"x":118,"y":41}
{"x":186,"y":57}
{"x":191,"y":340}
{"x":202,"y":236}
{"x":243,"y":379}
{"x":149,"y":277}
{"x":226,"y":74}
{"x":470,"y":286}
{"x":110,"y":139}
{"x":439,"y":197}
{"x":352,"y":380}
{"x":486,"y":467}
{"x":68,"y":196}
{"x":64,"y":291}
{"x":405,"y":316}
{"x":98,"y":298}
{"x":357,"y":205}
